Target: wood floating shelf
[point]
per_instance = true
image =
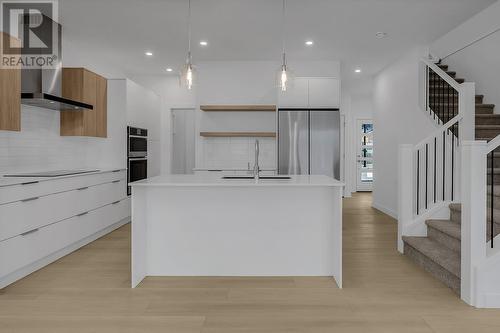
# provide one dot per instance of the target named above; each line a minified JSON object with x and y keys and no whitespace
{"x":238,"y":108}
{"x":238,"y":134}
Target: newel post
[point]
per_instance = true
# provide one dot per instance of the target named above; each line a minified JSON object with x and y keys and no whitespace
{"x":467,"y":107}
{"x":405,"y":190}
{"x":473,"y":247}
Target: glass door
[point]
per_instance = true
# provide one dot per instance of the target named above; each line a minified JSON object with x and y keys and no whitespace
{"x":364,"y":155}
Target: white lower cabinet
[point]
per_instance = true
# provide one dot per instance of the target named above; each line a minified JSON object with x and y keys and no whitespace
{"x":35,"y":228}
{"x":25,"y":249}
{"x":31,"y":213}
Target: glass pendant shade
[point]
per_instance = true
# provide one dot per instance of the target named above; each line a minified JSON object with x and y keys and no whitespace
{"x":188,"y":76}
{"x":284,"y":77}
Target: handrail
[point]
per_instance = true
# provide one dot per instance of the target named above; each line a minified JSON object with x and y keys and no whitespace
{"x":435,"y":178}
{"x":493,"y":144}
{"x":442,"y":74}
{"x":440,"y":130}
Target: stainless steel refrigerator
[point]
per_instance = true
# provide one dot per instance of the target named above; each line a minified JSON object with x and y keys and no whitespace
{"x":309,"y":142}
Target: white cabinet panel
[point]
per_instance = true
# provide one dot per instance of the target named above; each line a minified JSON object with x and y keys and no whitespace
{"x":296,"y":96}
{"x":23,"y":250}
{"x":311,"y":92}
{"x":48,"y":186}
{"x":22,"y":216}
{"x":324,"y":93}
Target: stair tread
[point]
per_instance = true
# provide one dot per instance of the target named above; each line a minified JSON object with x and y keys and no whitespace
{"x":493,"y":126}
{"x":447,"y":227}
{"x":438,"y":78}
{"x":487,"y":115}
{"x":438,"y":253}
{"x":450,"y":73}
{"x":496,"y":190}
{"x":482,"y":105}
{"x":496,"y":212}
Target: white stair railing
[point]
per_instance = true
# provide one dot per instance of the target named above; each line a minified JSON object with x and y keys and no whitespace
{"x":480,"y":259}
{"x":429,"y":172}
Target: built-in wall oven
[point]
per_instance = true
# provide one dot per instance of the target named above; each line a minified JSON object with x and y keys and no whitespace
{"x":137,"y":155}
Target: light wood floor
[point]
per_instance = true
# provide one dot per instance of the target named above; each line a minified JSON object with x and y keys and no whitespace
{"x":88,"y":291}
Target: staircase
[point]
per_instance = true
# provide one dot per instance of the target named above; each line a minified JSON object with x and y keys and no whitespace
{"x":439,"y":252}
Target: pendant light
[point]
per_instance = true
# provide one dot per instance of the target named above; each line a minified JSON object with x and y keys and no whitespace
{"x":284,"y":74}
{"x":188,"y":73}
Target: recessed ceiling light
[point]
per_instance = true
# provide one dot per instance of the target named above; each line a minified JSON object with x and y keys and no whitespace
{"x":381,"y":34}
{"x":203,"y":43}
{"x":358,"y":70}
{"x":169,"y":69}
{"x":309,"y":42}
{"x":148,"y":53}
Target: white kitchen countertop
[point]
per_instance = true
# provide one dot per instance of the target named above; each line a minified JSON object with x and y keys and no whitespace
{"x":10,"y":181}
{"x":217,"y":181}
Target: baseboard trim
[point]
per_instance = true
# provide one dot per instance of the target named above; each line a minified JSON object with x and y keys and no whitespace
{"x":489,"y":301}
{"x":27,"y":270}
{"x":385,"y":210}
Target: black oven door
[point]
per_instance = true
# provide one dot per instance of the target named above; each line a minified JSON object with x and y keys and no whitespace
{"x":137,"y":146}
{"x":137,"y":170}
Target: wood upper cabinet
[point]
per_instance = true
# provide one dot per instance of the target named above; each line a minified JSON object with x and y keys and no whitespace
{"x":85,"y":86}
{"x":102,"y":107}
{"x":10,"y":96}
{"x":10,"y":99}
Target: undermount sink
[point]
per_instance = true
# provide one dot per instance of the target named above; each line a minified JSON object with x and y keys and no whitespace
{"x":261,"y":177}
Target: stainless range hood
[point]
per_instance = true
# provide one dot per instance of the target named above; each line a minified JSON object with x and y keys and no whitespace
{"x":42,"y":87}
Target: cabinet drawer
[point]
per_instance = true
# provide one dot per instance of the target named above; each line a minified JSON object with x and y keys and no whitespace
{"x":23,"y":250}
{"x":37,"y":189}
{"x":22,"y":216}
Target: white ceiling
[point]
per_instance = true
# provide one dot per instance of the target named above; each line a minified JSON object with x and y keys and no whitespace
{"x":251,"y":29}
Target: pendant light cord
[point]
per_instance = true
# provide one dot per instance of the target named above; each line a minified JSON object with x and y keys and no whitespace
{"x":189,"y":31}
{"x":283,"y":27}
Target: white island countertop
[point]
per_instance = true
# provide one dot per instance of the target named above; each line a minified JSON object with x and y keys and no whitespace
{"x":217,"y":181}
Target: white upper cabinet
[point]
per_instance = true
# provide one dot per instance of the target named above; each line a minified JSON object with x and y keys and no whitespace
{"x":312,"y":93}
{"x":324,"y":93}
{"x":296,"y":96}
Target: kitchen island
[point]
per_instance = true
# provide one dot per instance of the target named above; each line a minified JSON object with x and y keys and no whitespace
{"x":203,"y":225}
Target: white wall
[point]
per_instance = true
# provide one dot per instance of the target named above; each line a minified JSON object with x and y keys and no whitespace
{"x":38,"y":146}
{"x":144,"y":111}
{"x":235,"y":82}
{"x":398,"y":119}
{"x":357,"y":103}
{"x":88,"y":56}
{"x":172,"y":96}
{"x":479,"y":61}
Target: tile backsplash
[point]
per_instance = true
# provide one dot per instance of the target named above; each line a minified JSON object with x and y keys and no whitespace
{"x":38,"y":146}
{"x":237,"y":153}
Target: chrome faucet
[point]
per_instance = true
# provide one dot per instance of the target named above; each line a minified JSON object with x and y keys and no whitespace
{"x":256,"y":168}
